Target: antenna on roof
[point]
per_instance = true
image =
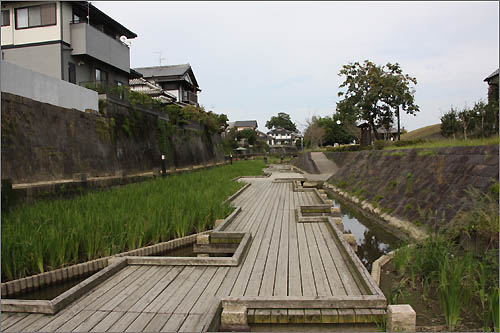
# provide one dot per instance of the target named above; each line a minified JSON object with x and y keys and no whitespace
{"x":160,"y":58}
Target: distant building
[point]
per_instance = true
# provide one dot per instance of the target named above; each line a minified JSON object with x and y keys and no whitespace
{"x":177,"y":80}
{"x":367,"y":135}
{"x":492,"y":81}
{"x":245,"y":124}
{"x":68,"y":40}
{"x":280,"y":136}
{"x":152,"y":90}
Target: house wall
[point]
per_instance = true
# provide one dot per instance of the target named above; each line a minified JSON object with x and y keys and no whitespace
{"x":13,"y":36}
{"x":45,"y":59}
{"x":39,"y":87}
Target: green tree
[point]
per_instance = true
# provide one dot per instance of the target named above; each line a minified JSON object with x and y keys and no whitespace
{"x":334,"y":131}
{"x":376,"y":94}
{"x":450,"y":125}
{"x":282,"y":120}
{"x":248,"y":134}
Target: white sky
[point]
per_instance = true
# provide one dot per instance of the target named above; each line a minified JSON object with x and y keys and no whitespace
{"x":255,"y":59}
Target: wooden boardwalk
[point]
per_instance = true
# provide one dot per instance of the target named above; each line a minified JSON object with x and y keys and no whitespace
{"x":285,"y":258}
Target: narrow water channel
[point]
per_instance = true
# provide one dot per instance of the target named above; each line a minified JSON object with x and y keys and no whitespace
{"x":373,"y":241}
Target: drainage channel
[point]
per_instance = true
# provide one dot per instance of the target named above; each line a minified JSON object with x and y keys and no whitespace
{"x":373,"y":241}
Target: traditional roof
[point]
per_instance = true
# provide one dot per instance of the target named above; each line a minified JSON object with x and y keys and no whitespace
{"x":492,"y":75}
{"x":279,"y":130}
{"x":246,"y":123}
{"x":151,"y":89}
{"x":170,"y":73}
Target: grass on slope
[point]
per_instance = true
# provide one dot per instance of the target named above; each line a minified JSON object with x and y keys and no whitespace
{"x":450,"y":143}
{"x":432,"y":132}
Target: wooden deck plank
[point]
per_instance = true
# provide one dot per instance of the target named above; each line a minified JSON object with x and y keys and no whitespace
{"x":157,"y":290}
{"x":107,"y":321}
{"x":127,"y":291}
{"x":75,"y":321}
{"x":171,"y":304}
{"x":140,"y":322}
{"x":157,"y":322}
{"x":13,"y":319}
{"x":268,"y":278}
{"x":193,"y":323}
{"x":170,"y":290}
{"x":307,"y":277}
{"x":335,"y":282}
{"x":143,"y":288}
{"x":38,"y":324}
{"x":207,"y":298}
{"x":255,"y":279}
{"x":281,"y":283}
{"x":294,"y":278}
{"x":98,"y":303}
{"x":251,"y":209}
{"x":320,"y":279}
{"x":259,"y":227}
{"x":94,"y":319}
{"x":194,"y":294}
{"x":174,"y":322}
{"x":21,"y":324}
{"x":347,"y":279}
{"x":124,"y":322}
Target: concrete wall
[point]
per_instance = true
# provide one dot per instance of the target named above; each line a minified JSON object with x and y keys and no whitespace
{"x":39,"y":87}
{"x":45,"y":59}
{"x":42,"y":142}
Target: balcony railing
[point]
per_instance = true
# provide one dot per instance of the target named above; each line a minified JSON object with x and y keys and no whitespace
{"x":189,"y":97}
{"x":86,"y":39}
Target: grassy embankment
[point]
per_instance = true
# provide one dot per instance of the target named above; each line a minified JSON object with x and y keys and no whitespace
{"x":461,"y":275}
{"x":446,"y":143}
{"x":51,"y":234}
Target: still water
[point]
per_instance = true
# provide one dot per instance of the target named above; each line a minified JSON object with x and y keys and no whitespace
{"x":373,"y":241}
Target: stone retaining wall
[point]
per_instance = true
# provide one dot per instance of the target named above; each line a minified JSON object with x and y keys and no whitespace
{"x":423,"y":186}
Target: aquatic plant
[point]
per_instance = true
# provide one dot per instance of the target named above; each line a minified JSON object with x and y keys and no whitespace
{"x":51,"y":234}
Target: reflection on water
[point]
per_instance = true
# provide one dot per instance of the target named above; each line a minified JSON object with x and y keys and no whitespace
{"x":372,"y":240}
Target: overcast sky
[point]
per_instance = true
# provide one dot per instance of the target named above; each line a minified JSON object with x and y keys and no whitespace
{"x":255,"y":59}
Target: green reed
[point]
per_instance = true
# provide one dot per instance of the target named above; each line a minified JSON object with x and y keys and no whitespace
{"x":52,"y":234}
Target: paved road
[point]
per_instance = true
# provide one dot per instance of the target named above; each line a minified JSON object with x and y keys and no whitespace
{"x":325,"y":166}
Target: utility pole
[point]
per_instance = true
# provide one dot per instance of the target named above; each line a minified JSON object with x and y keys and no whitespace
{"x":399,"y":130}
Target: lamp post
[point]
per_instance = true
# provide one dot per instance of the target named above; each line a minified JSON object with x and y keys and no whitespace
{"x":163,"y":166}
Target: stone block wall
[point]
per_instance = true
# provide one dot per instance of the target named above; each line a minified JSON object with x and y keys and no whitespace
{"x":42,"y":142}
{"x":426,"y":187}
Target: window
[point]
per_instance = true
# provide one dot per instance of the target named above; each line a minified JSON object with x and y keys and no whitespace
{"x":72,"y":72}
{"x":100,"y":75}
{"x":36,"y":16}
{"x":5,"y":18}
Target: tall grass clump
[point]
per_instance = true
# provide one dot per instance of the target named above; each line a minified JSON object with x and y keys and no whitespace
{"x":52,"y":234}
{"x":453,"y":294}
{"x":402,"y":258}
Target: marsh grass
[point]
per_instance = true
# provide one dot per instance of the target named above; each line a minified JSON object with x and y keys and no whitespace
{"x":51,"y":234}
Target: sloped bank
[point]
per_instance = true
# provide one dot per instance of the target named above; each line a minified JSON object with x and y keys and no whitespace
{"x":426,"y":187}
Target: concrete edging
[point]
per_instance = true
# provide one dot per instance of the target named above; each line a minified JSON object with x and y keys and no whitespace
{"x":405,"y":228}
{"x":53,"y":306}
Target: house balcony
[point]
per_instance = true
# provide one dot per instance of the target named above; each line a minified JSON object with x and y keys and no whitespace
{"x":189,"y":97}
{"x":87,"y":40}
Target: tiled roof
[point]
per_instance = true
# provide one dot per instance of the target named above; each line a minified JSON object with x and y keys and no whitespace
{"x":495,"y":73}
{"x":171,"y":70}
{"x":245,"y":123}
